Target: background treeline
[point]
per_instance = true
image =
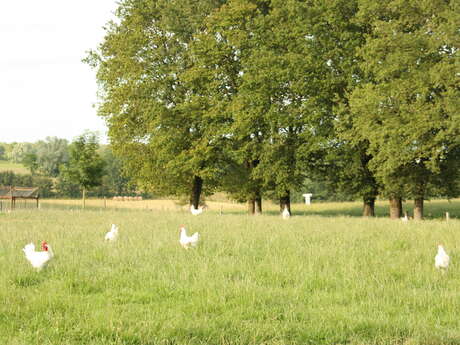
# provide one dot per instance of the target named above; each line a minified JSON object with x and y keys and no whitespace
{"x":49,"y":161}
{"x":252,"y":97}
{"x":45,"y":159}
{"x":114,"y":181}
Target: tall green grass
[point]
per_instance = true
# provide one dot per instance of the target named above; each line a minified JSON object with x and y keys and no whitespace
{"x":253,"y":280}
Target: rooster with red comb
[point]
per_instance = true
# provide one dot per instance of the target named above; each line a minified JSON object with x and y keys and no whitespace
{"x":37,"y":259}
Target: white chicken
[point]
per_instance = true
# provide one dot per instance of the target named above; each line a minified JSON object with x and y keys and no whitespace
{"x":188,"y":241}
{"x":405,"y":218}
{"x":196,"y":211}
{"x":441,"y":260}
{"x":286,"y":214}
{"x":38,"y":260}
{"x":112,"y":234}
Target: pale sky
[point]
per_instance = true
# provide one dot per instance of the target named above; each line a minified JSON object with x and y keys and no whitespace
{"x":45,"y":89}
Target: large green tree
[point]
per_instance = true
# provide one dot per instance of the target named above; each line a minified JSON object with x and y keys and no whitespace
{"x":342,"y":162}
{"x":51,"y":153}
{"x":157,"y":122}
{"x":268,"y":58}
{"x":85,"y":166}
{"x":44,"y":156}
{"x":408,"y":109}
{"x":274,"y":92}
{"x":221,"y":51}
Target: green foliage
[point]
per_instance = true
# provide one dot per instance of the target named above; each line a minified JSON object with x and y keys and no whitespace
{"x":252,"y":97}
{"x":9,"y":178}
{"x":114,"y":181}
{"x":43,"y":157}
{"x":65,"y":188}
{"x":155,"y":124}
{"x":262,"y":66}
{"x":407,"y":106}
{"x":343,"y":171}
{"x":85,"y":166}
{"x":17,"y":151}
{"x":45,"y":185}
{"x":47,"y":157}
{"x":30,"y":162}
{"x":322,"y":190}
{"x":51,"y":154}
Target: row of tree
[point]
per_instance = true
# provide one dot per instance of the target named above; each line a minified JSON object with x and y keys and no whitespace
{"x":252,"y":96}
{"x":66,"y":169}
{"x":49,"y":162}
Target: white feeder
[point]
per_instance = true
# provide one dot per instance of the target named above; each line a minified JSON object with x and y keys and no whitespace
{"x":307,"y":198}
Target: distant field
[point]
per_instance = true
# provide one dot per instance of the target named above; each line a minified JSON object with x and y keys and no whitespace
{"x":14,"y":167}
{"x":313,"y":279}
{"x":433,"y":209}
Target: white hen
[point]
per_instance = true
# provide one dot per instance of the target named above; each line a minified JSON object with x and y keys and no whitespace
{"x":286,"y":214}
{"x":112,"y":234}
{"x":441,"y":260}
{"x":188,"y":241}
{"x":405,"y":218}
{"x":38,"y":260}
{"x":196,"y":211}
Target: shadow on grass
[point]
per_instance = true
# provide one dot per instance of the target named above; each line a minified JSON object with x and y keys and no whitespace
{"x":353,"y":211}
{"x":432,"y":210}
{"x":350,"y":211}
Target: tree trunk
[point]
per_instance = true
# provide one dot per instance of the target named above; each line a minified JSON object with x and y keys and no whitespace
{"x":84,"y":197}
{"x":369,"y":207}
{"x":418,"y":209}
{"x":251,"y":206}
{"x":395,"y":208}
{"x":285,"y":201}
{"x":258,"y":205}
{"x":196,"y":191}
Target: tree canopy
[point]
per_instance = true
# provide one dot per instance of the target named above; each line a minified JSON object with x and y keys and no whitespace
{"x":406,"y":109}
{"x":85,"y":166}
{"x":253,"y":97}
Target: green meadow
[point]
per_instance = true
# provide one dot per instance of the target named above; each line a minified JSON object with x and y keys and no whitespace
{"x":317,"y":278}
{"x":17,"y":168}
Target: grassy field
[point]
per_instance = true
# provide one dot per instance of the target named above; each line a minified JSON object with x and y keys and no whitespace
{"x":17,"y":168}
{"x":433,"y":209}
{"x":316,"y":278}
